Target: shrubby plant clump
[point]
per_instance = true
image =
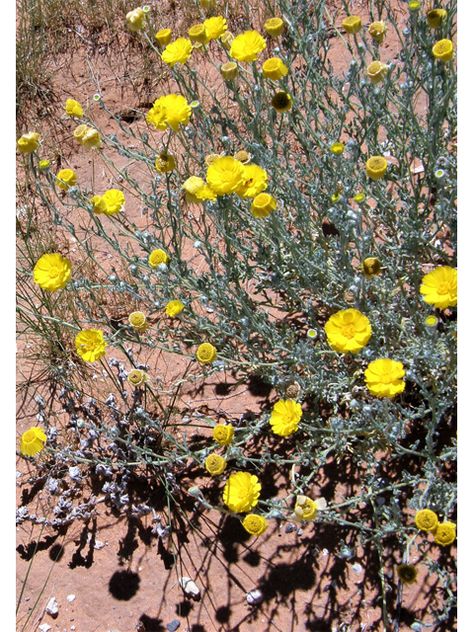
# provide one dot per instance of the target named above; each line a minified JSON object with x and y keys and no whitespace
{"x":298,"y":225}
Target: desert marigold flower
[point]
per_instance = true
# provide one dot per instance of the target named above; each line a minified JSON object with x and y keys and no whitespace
{"x":431,"y":321}
{"x":223,"y":434}
{"x":247,"y":46}
{"x":137,"y":377}
{"x":285,"y":417}
{"x":274,"y":26}
{"x":443,"y":50}
{"x":215,"y":464}
{"x":209,"y":159}
{"x":359,"y":197}
{"x":163,"y":37}
{"x":414,"y":5}
{"x":384,"y":378}
{"x":337,"y":148}
{"x":135,"y":19}
{"x":376,"y":71}
{"x":32,"y":441}
{"x":65,"y":179}
{"x":282,"y":101}
{"x":440,"y":287}
{"x":52,"y":271}
{"x":254,"y":181}
{"x":138,"y":321}
{"x":197,"y":33}
{"x":173,"y":308}
{"x":28,"y":143}
{"x":255,"y":524}
{"x":445,"y":533}
{"x":435,"y":17}
{"x":196,"y":190}
{"x":165,"y":162}
{"x":371,"y":266}
{"x":80,"y":131}
{"x":377,"y":31}
{"x":305,"y":508}
{"x":407,"y":573}
{"x":157,"y":257}
{"x":73,"y":108}
{"x":274,"y":68}
{"x":90,"y":344}
{"x":110,"y":203}
{"x":226,"y":39}
{"x":44,"y":165}
{"x":352,"y":24}
{"x":426,"y":520}
{"x":243,"y":156}
{"x":215,"y":27}
{"x":229,"y":70}
{"x":241,"y":492}
{"x":171,"y":110}
{"x":177,"y":52}
{"x":348,"y":331}
{"x":225,"y":175}
{"x":206,"y":353}
{"x":262,"y":205}
{"x":87,"y":136}
{"x":375,"y":167}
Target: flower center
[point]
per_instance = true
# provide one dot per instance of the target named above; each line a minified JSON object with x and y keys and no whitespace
{"x":348,"y":330}
{"x":443,"y":288}
{"x":53,"y":272}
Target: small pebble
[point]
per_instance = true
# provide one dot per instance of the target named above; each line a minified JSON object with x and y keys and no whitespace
{"x":71,"y":598}
{"x":52,"y":607}
{"x":172,"y":626}
{"x":254,"y":597}
{"x":357,"y":568}
{"x":44,"y":627}
{"x":189,"y":587}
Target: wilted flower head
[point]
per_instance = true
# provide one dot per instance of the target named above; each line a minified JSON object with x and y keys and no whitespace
{"x":274,"y":68}
{"x":229,"y":70}
{"x":137,"y":377}
{"x":274,"y":26}
{"x":377,"y":30}
{"x":165,"y":162}
{"x":262,"y":205}
{"x":376,"y":166}
{"x":138,"y":321}
{"x":282,"y":101}
{"x":443,"y":50}
{"x":73,"y":108}
{"x":435,"y":17}
{"x":135,"y":19}
{"x":28,"y":143}
{"x":215,"y":464}
{"x":163,"y":37}
{"x":407,"y":573}
{"x":376,"y":71}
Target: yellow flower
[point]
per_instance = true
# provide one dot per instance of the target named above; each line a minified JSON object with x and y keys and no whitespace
{"x":209,"y":159}
{"x":263,"y":204}
{"x":243,"y":156}
{"x":90,"y":344}
{"x":255,"y":524}
{"x":197,"y":33}
{"x":43,"y":165}
{"x":348,"y":331}
{"x":135,"y":19}
{"x":376,"y":167}
{"x":274,"y":26}
{"x":196,"y":190}
{"x":440,"y":287}
{"x":274,"y":68}
{"x":431,"y":321}
{"x":215,"y":464}
{"x":177,"y":52}
{"x":352,"y":24}
{"x":138,"y":321}
{"x":377,"y":30}
{"x":223,"y":434}
{"x":110,"y":203}
{"x":165,"y":162}
{"x":225,"y":175}
{"x":163,"y":37}
{"x":414,"y":5}
{"x":65,"y":179}
{"x":285,"y":417}
{"x":157,"y":257}
{"x":359,"y":197}
{"x":407,"y":573}
{"x":80,"y":131}
{"x":215,"y":27}
{"x":371,"y":266}
{"x":282,"y":101}
{"x":254,"y":180}
{"x":443,"y":50}
{"x":91,"y":138}
{"x":445,"y":533}
{"x":426,"y":520}
{"x":173,"y":308}
{"x":305,"y":508}
{"x":73,"y":108}
{"x":376,"y":71}
{"x":229,"y":70}
{"x":171,"y":110}
{"x":28,"y":143}
{"x":384,"y":378}
{"x":241,"y":492}
{"x":337,"y":149}
{"x":52,"y":272}
{"x":206,"y":353}
{"x":226,"y":39}
{"x":32,"y":441}
{"x":247,"y":46}
{"x":137,"y":377}
{"x":435,"y":17}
